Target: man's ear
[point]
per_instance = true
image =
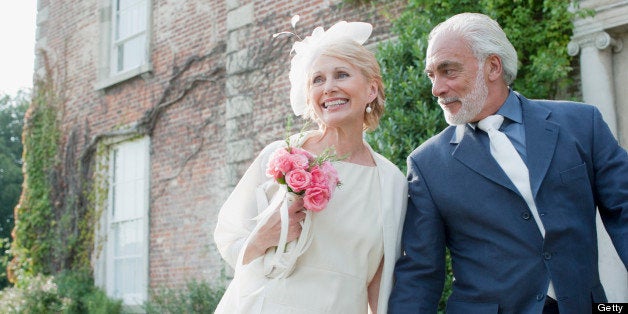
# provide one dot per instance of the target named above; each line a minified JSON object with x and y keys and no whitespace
{"x":495,"y":69}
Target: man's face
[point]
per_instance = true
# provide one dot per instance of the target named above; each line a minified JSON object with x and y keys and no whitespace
{"x":457,"y":78}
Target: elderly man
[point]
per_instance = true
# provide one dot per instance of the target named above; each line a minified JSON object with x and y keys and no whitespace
{"x":511,"y":188}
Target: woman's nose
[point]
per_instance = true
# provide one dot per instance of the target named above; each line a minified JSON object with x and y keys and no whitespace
{"x":330,"y":86}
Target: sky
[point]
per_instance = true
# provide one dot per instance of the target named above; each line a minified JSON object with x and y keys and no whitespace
{"x":17,"y":45}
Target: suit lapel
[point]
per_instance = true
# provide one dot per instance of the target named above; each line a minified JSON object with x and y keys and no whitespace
{"x":541,"y":138}
{"x":471,"y":152}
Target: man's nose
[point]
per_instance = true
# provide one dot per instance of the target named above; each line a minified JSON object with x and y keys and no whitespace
{"x":438,"y":87}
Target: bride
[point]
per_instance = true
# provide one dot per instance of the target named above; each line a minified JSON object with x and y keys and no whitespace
{"x":350,"y":248}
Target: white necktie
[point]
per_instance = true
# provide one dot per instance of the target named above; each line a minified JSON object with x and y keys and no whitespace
{"x":510,"y":161}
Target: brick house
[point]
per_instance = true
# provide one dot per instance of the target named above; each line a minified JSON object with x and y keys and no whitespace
{"x":172,"y":100}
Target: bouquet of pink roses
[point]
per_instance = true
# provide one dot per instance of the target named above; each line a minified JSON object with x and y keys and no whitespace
{"x":313,"y":178}
{"x":295,"y":173}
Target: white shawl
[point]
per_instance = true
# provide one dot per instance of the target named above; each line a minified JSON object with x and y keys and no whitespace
{"x":236,"y":217}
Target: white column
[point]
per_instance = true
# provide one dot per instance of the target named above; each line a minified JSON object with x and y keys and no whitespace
{"x":596,"y":71}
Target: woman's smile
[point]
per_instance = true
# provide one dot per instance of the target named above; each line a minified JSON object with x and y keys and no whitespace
{"x":335,"y":104}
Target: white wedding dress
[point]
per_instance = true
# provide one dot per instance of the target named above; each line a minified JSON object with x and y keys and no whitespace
{"x":346,"y":248}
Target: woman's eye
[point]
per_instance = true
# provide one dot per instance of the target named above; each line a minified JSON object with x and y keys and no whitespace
{"x":342,"y":74}
{"x":317,"y":80}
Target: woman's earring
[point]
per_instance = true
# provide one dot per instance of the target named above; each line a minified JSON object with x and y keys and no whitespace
{"x":369,"y":109}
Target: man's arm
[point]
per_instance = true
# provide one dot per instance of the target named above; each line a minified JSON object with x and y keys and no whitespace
{"x":420,"y":271}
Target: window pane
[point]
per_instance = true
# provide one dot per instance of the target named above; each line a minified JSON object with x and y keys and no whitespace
{"x":128,"y":183}
{"x":128,"y":240}
{"x":127,"y":277}
{"x":131,"y":54}
{"x":131,"y":21}
{"x":129,"y":35}
{"x":123,"y":4}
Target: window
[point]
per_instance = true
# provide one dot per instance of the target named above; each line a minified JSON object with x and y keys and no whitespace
{"x":125,"y":40}
{"x":126,"y":222}
{"x":129,"y":35}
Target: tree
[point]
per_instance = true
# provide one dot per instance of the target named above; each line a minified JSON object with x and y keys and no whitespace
{"x":12,"y":112}
{"x":540,"y":31}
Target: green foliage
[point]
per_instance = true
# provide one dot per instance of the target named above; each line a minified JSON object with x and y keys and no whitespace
{"x":35,"y":220}
{"x":12,"y":112}
{"x":83,"y":297}
{"x":54,"y":219}
{"x":36,"y":294}
{"x":199,"y":297}
{"x":69,"y":293}
{"x":540,"y":31}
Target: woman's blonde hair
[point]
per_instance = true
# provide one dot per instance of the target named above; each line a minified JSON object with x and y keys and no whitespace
{"x":364,"y":60}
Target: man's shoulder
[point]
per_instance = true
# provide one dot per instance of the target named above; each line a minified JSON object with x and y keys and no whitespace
{"x":556,"y":105}
{"x":438,"y":142}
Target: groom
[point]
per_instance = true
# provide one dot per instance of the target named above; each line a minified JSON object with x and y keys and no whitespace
{"x":522,"y":237}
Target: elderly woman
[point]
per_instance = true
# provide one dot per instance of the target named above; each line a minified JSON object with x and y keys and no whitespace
{"x":343,"y":262}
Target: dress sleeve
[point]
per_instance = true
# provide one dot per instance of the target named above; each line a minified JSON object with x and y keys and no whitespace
{"x":236,"y":216}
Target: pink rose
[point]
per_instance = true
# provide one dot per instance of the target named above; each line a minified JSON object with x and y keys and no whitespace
{"x":303,"y":152}
{"x":319,"y":178}
{"x":279,"y":164}
{"x":316,"y":198}
{"x":332,"y":174}
{"x":299,"y":161}
{"x":298,"y":180}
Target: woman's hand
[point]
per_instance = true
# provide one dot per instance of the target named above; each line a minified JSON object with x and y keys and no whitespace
{"x":268,"y":235}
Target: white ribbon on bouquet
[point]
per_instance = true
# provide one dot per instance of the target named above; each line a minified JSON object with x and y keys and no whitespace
{"x":279,"y":261}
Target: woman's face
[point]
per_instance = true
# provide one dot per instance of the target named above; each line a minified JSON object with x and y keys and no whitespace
{"x":339,"y":92}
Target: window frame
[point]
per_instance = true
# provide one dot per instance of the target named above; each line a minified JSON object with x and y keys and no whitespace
{"x":107,"y":76}
{"x":104,"y":267}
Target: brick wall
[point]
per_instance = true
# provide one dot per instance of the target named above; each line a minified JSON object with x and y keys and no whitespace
{"x":208,"y":134}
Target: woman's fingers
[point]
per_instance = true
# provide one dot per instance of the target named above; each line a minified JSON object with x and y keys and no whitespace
{"x":294,"y":232}
{"x":297,"y":217}
{"x":296,"y":206}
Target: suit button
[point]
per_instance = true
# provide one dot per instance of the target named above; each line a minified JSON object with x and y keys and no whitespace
{"x":540,"y":297}
{"x":547,"y":255}
{"x":525,"y":215}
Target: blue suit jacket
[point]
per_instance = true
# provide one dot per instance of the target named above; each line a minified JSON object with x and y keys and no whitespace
{"x":460,"y":198}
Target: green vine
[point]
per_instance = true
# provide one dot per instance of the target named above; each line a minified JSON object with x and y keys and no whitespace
{"x":34,"y":215}
{"x":54,"y":220}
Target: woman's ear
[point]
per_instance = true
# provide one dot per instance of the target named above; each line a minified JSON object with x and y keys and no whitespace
{"x":372,"y":92}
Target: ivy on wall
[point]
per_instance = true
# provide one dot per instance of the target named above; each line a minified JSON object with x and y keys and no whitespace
{"x":34,"y":216}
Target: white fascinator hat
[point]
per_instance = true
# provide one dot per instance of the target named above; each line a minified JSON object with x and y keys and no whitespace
{"x":308,"y":49}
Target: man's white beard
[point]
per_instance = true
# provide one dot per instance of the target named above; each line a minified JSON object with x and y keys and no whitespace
{"x":472,"y":103}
